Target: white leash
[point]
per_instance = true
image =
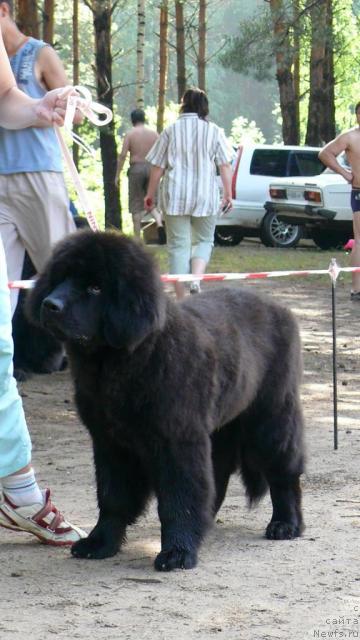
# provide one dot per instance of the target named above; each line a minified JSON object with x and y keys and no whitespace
{"x":92,"y":111}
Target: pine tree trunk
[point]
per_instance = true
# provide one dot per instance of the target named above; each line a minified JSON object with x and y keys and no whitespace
{"x":317,"y":99}
{"x":102,"y":11}
{"x":296,"y":72}
{"x":76,"y":68}
{"x":27,"y":17}
{"x":140,"y":69}
{"x":284,"y":75}
{"x":180,"y":48}
{"x":328,"y":126}
{"x":202,"y":45}
{"x":163,"y":64}
{"x":48,"y":21}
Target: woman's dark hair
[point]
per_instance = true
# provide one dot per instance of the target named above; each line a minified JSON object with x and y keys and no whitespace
{"x":195,"y":101}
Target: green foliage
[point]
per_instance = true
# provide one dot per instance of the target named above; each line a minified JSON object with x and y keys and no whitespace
{"x":347,"y":54}
{"x":243,"y":132}
{"x":170,"y":115}
{"x":346,"y":48}
{"x":251,"y":52}
{"x":242,"y":88}
{"x":63,"y":39}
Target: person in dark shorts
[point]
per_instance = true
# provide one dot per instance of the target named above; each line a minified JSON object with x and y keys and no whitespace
{"x":349,"y":141}
{"x":138,"y":142}
{"x":355,"y":199}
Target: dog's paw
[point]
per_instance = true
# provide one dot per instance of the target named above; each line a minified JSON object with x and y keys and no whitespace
{"x":279,"y":530}
{"x":93,"y":549}
{"x":175,"y":559}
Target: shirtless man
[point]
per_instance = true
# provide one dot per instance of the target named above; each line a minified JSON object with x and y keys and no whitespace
{"x":138,"y":143}
{"x":349,"y":142}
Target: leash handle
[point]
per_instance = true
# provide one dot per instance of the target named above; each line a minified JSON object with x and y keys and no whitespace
{"x":82,"y":100}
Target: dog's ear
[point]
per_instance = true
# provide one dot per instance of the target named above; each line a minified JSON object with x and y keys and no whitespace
{"x":132,"y":314}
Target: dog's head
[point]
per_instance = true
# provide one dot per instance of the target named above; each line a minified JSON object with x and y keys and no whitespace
{"x":99,"y":288}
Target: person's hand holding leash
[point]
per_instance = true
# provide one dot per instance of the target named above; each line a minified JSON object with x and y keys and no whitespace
{"x":51,"y":109}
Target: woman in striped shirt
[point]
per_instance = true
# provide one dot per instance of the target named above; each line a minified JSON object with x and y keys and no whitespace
{"x":186,"y":155}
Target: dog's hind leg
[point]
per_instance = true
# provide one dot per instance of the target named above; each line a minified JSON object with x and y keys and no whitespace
{"x":286,"y":522}
{"x":123,"y":491}
{"x":280,"y":449}
{"x":224,"y":461}
{"x":185,"y":493}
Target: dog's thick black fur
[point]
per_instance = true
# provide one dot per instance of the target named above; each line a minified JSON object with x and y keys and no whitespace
{"x":35,"y":349}
{"x":176,"y":396}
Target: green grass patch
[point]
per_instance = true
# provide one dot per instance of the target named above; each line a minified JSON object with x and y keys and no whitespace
{"x":252,"y":256}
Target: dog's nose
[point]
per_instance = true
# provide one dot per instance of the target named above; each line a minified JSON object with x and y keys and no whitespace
{"x":52,"y":304}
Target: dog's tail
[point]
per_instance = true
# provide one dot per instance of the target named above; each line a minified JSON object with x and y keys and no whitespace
{"x":254,"y":480}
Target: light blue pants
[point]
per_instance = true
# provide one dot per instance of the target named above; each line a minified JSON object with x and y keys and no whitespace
{"x":15,"y":443}
{"x":188,"y":237}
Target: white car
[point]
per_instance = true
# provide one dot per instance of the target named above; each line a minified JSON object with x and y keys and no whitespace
{"x":254,"y":168}
{"x":321,"y":204}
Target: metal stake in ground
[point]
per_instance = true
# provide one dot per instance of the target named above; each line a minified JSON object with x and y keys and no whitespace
{"x":334,"y":272}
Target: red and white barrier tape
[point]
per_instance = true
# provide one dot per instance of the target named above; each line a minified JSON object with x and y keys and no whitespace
{"x":333,"y":271}
{"x":84,"y":103}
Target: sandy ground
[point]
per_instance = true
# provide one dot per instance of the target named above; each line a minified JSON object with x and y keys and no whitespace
{"x":245,"y":587}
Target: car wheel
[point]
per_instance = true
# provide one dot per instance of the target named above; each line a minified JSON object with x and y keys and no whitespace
{"x":331,"y":239}
{"x":274,"y":233}
{"x":227,"y":238}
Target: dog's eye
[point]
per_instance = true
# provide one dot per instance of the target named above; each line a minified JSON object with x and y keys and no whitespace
{"x":94,"y":291}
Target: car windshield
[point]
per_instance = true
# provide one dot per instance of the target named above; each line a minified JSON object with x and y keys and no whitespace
{"x":269,"y":162}
{"x":304,"y":163}
{"x":285,"y":162}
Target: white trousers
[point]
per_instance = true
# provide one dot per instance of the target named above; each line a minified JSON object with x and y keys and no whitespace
{"x":15,"y":444}
{"x":34,"y":215}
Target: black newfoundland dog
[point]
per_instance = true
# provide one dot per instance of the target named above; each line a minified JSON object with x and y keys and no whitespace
{"x":176,"y":397}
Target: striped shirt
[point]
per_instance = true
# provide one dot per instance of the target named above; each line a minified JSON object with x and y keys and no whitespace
{"x":188,"y":150}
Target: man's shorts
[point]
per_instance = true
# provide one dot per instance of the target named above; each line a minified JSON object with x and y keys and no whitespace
{"x":355,"y":199}
{"x":138,"y":175}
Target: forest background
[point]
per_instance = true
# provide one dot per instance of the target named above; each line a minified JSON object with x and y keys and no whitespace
{"x":274,"y":70}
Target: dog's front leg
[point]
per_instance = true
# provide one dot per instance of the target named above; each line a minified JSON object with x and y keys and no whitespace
{"x":123,"y":491}
{"x":185,"y":494}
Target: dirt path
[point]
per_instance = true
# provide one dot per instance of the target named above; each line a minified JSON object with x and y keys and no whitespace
{"x":245,"y":587}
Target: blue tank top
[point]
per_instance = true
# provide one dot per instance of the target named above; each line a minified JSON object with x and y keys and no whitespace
{"x":32,"y":149}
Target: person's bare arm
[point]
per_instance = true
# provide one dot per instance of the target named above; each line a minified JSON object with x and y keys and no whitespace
{"x":7,"y":80}
{"x":52,"y":75}
{"x":328,"y":155}
{"x":121,"y":158}
{"x":226,"y":178}
{"x":18,"y":111}
{"x":155,"y":175}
